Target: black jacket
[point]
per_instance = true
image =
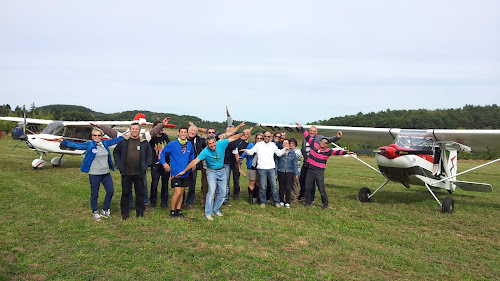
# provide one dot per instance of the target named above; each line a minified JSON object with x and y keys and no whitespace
{"x":120,"y":154}
{"x":198,"y":144}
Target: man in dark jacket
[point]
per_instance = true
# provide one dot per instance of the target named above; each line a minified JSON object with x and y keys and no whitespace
{"x":133,"y":156}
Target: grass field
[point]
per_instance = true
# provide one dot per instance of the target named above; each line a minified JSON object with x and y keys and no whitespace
{"x":47,"y":231}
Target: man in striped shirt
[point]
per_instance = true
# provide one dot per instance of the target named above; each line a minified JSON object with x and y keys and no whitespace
{"x":316,"y":161}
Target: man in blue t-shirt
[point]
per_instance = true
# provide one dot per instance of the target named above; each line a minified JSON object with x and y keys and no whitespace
{"x":213,"y":154}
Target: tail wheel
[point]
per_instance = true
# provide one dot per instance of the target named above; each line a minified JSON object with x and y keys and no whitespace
{"x":364,"y":194}
{"x":448,"y":205}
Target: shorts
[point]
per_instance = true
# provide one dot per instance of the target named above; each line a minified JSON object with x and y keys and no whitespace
{"x":179,"y":182}
{"x":251,"y":175}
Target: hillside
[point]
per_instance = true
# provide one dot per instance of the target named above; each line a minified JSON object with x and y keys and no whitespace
{"x":468,"y":117}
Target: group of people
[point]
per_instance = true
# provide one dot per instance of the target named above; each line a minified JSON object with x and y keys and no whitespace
{"x":269,"y":158}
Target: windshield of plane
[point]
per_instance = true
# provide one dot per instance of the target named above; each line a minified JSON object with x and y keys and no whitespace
{"x":77,"y":133}
{"x":416,"y":139}
{"x":54,"y":128}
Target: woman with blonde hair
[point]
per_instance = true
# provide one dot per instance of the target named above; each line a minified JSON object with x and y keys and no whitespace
{"x":98,"y":164}
{"x":253,"y":179}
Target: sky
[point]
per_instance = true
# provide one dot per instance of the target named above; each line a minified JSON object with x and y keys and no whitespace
{"x":268,"y":61}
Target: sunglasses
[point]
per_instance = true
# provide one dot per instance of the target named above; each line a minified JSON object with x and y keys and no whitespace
{"x":259,"y":138}
{"x":277,"y":137}
{"x":211,"y":133}
{"x":267,"y":136}
{"x":97,"y":135}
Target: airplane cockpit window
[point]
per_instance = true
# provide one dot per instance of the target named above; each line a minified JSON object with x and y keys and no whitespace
{"x":414,"y":139}
{"x":54,"y":128}
{"x":77,"y":133}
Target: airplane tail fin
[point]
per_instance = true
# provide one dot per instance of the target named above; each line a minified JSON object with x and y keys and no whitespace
{"x":473,"y":186}
{"x":141,"y":119}
{"x":139,"y":116}
{"x":452,"y":164}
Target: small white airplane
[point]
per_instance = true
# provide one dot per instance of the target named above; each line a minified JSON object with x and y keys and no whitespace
{"x":415,"y":157}
{"x":77,"y":131}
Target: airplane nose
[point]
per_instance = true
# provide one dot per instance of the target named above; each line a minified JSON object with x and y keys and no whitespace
{"x":390,"y":152}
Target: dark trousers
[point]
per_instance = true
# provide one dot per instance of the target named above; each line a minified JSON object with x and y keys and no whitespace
{"x":302,"y":182}
{"x":316,"y":177}
{"x":138,"y":182}
{"x":236,"y":181}
{"x":285,"y":181}
{"x":191,"y":188}
{"x":204,"y":186}
{"x":158,"y":172}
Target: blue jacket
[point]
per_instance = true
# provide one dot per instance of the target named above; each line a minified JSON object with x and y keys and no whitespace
{"x":90,"y":152}
{"x":288,"y":163}
{"x":249,"y":157}
{"x":178,"y":160}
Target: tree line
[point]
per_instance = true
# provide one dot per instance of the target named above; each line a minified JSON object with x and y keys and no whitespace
{"x":467,"y":117}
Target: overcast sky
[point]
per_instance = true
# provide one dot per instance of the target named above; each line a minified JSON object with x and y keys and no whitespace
{"x":269,"y":61}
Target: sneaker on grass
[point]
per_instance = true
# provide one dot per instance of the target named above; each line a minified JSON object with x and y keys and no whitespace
{"x":209,"y":218}
{"x":106,"y":214}
{"x":96,"y":216}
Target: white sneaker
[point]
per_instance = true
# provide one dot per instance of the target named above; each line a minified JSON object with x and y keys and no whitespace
{"x":209,"y":218}
{"x":287,"y":205}
{"x":96,"y":216}
{"x":282,"y":204}
{"x":218,"y":215}
{"x":106,"y":214}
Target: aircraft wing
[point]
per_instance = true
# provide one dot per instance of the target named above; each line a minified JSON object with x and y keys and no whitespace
{"x":113,"y":124}
{"x":478,"y":140}
{"x":360,"y":135}
{"x":28,"y":120}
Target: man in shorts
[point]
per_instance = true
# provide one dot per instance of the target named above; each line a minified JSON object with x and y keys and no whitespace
{"x":181,"y":152}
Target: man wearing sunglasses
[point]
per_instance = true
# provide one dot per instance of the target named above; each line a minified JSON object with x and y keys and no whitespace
{"x":306,"y":148}
{"x":316,"y":161}
{"x":265,"y":151}
{"x":214,"y":155}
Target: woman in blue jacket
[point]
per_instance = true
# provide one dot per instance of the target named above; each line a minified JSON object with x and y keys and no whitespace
{"x":98,"y":163}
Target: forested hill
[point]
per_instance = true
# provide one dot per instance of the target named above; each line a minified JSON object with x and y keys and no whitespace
{"x":468,"y":117}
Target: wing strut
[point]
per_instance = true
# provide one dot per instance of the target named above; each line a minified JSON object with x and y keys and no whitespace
{"x":480,"y":166}
{"x":356,"y":157}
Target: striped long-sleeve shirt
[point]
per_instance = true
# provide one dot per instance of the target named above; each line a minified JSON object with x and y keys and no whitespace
{"x":317,"y":157}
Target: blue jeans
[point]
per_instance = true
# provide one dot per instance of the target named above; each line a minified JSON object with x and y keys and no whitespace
{"x":95,"y":183}
{"x":131,"y":200}
{"x":216,"y":189}
{"x":270,"y":175}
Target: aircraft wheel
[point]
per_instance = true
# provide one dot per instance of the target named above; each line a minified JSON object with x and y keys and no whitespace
{"x":448,"y":205}
{"x":364,"y":194}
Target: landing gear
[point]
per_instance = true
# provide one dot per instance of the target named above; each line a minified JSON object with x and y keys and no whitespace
{"x":58,"y":161}
{"x":448,"y":205}
{"x":364,"y":195}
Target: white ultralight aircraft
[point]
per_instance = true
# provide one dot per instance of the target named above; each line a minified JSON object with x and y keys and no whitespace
{"x":415,"y":157}
{"x":77,"y":131}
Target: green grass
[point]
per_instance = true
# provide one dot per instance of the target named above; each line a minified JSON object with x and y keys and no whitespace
{"x":47,"y":231}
